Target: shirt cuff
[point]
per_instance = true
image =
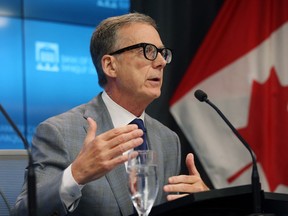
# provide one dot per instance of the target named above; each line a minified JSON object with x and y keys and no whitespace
{"x":70,"y":190}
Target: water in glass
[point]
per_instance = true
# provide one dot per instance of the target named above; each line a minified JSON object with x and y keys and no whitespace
{"x":143,"y":180}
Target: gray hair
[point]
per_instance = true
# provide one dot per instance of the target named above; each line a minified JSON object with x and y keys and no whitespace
{"x":104,"y":38}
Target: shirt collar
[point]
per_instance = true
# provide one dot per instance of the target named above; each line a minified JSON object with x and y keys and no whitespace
{"x":119,"y":115}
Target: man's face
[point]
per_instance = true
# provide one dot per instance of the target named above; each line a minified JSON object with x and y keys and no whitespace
{"x":138,"y":77}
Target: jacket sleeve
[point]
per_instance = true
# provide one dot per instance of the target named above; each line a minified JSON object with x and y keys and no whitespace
{"x":50,"y":159}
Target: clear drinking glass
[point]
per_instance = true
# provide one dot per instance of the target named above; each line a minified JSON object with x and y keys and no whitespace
{"x":143,"y":180}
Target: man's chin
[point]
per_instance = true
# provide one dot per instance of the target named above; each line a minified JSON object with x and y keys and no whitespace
{"x":155,"y":95}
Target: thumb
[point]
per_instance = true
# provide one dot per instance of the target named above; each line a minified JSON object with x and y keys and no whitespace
{"x":191,"y":165}
{"x":91,"y":133}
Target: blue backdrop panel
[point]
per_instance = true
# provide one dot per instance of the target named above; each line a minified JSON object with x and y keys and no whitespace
{"x":59,"y":70}
{"x":89,"y":12}
{"x":45,"y":64}
{"x":11,"y":81}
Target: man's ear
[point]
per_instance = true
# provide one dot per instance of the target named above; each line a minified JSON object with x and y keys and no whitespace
{"x":109,"y":65}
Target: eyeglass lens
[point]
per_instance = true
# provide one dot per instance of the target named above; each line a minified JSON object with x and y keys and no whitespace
{"x":151,"y":52}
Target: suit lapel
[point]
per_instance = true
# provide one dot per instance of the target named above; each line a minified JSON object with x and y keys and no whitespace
{"x":154,"y":141}
{"x":117,"y":178}
{"x":155,"y":144}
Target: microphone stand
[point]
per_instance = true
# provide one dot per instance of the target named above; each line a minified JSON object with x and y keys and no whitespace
{"x":256,"y":185}
{"x":31,"y":173}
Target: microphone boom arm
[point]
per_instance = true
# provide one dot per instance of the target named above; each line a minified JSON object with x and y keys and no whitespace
{"x":256,"y":185}
{"x":31,"y":173}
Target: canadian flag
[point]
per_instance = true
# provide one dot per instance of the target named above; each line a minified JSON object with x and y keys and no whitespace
{"x":243,"y":67}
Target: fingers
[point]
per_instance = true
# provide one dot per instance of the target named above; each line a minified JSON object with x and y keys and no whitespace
{"x":117,"y":132}
{"x":126,"y":138}
{"x":185,"y":187}
{"x":120,"y":140}
{"x":184,"y":183}
{"x":91,"y":130}
{"x":174,"y":196}
{"x":189,"y":179}
{"x":191,"y":165}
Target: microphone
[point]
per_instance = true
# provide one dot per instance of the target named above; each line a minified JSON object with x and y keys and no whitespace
{"x":31,"y":173}
{"x":256,"y":185}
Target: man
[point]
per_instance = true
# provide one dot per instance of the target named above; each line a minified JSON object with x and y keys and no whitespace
{"x":80,"y":155}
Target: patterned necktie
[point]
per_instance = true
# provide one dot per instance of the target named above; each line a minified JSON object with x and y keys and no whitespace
{"x":140,"y":124}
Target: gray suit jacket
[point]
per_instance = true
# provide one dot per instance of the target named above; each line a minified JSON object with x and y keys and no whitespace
{"x":56,"y":144}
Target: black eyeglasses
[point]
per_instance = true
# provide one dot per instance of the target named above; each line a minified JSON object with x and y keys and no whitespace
{"x":150,"y":51}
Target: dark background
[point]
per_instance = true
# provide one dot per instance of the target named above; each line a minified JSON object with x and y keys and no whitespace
{"x":182,"y":26}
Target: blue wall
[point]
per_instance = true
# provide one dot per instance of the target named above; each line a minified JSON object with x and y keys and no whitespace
{"x":45,"y":64}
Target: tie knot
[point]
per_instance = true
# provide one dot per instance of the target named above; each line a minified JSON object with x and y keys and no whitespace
{"x":139,"y":122}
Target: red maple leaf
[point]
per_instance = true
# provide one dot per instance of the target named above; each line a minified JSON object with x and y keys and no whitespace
{"x":267,"y":129}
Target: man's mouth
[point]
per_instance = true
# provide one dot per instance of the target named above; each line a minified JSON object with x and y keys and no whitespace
{"x":155,"y":79}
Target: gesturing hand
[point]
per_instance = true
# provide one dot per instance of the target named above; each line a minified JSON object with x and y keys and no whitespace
{"x":185,"y":184}
{"x":100,"y":154}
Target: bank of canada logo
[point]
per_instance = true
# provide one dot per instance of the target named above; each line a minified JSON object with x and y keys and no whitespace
{"x":47,"y":56}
